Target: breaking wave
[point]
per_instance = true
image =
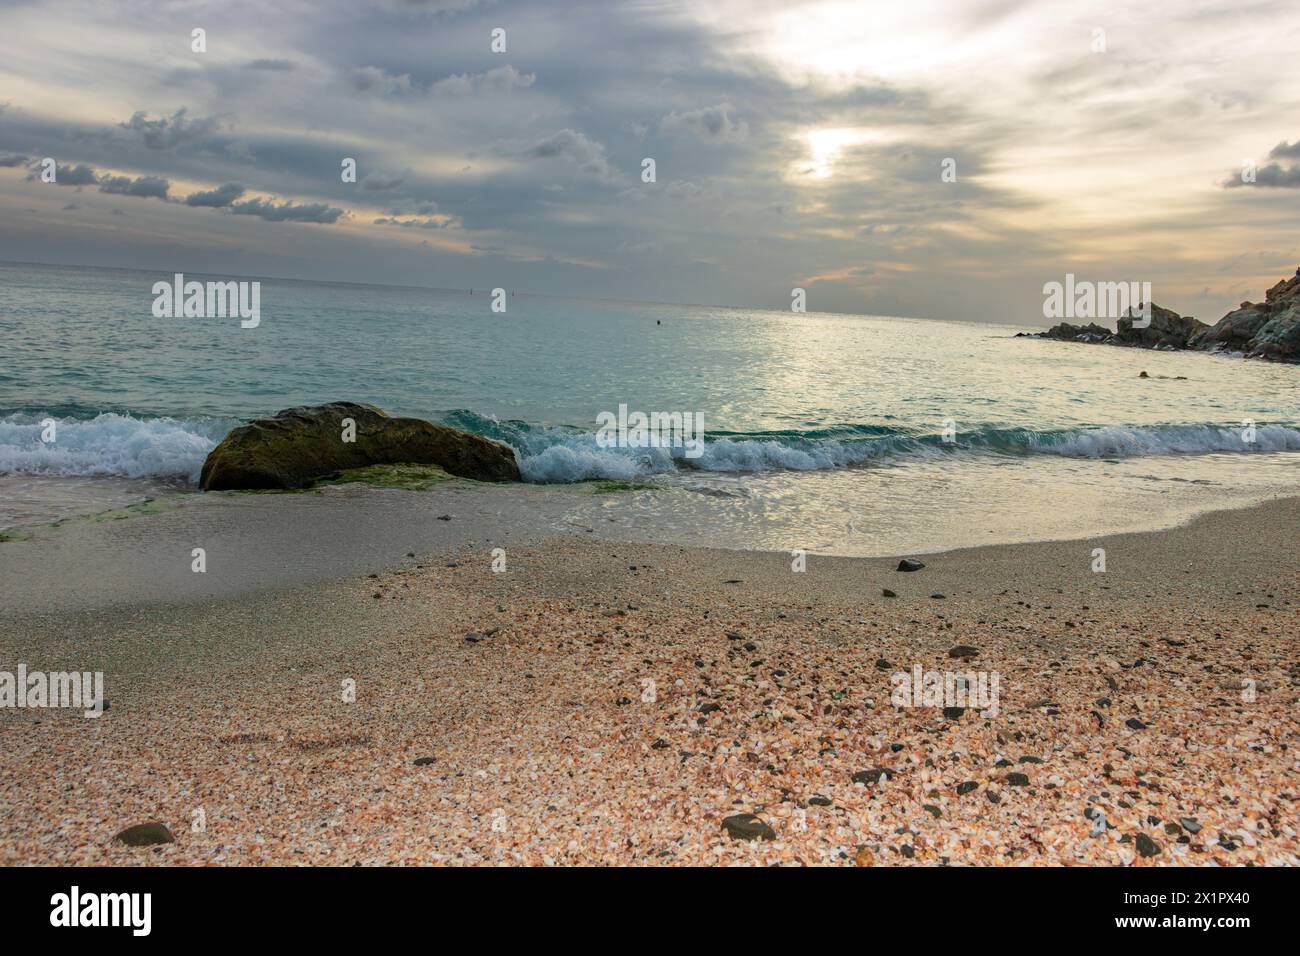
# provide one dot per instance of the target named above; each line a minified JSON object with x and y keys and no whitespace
{"x":128,"y":445}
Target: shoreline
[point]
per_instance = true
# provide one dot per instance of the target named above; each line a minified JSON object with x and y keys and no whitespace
{"x":543,"y":750}
{"x":140,"y":554}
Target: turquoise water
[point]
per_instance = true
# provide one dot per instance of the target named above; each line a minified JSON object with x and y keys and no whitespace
{"x":815,"y":409}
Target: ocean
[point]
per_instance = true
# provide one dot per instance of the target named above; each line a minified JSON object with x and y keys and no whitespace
{"x":847,"y":434}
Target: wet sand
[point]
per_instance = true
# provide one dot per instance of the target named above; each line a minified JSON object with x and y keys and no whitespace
{"x":618,"y":701}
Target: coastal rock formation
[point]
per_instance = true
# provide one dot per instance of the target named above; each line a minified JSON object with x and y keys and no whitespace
{"x":300,"y":445}
{"x":1065,"y":332}
{"x":1168,"y":330}
{"x":1235,"y":330}
{"x":1268,"y":329}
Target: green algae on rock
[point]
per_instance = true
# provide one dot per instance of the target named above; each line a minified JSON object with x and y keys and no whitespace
{"x":298,"y":446}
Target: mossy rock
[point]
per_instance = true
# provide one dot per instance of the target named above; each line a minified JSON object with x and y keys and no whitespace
{"x":299,"y":446}
{"x":605,"y":486}
{"x":405,"y":477}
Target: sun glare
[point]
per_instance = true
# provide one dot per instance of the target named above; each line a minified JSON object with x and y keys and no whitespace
{"x":825,"y":147}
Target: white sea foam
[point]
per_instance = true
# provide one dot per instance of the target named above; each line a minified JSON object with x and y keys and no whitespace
{"x":578,"y":458}
{"x":126,"y":446}
{"x":106,"y":445}
{"x":1114,"y":441}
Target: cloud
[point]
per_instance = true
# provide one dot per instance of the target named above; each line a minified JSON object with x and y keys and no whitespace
{"x":709,"y":123}
{"x":168,"y":133}
{"x":445,"y":223}
{"x":12,"y":160}
{"x":732,"y":99}
{"x":424,"y":208}
{"x":684,"y":191}
{"x":584,"y":152}
{"x":382,"y":182}
{"x":371,"y":79}
{"x":79,"y":175}
{"x":1274,"y":176}
{"x":272,"y":66}
{"x":145,"y":187}
{"x":502,"y":80}
{"x":223,"y":195}
{"x":287,"y":212}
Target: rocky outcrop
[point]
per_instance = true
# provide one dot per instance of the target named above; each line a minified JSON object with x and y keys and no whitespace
{"x":299,"y":445}
{"x":1166,"y":330}
{"x":1235,"y":330}
{"x":1268,"y":329}
{"x":1065,"y":332}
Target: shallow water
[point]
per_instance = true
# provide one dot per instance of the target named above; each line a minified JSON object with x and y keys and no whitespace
{"x":817,"y":426}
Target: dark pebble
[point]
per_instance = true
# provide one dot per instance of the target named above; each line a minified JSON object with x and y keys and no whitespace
{"x":145,"y":834}
{"x":1145,"y":845}
{"x":746,"y":826}
{"x":871,"y":776}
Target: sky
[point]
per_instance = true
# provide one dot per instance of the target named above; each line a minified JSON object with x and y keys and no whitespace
{"x":795,"y":145}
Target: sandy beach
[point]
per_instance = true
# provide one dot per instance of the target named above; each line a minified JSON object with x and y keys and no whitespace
{"x":608,"y":702}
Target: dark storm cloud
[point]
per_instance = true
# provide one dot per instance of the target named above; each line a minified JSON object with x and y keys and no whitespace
{"x":144,"y":187}
{"x":534,"y":156}
{"x":287,"y":211}
{"x":1277,"y":177}
{"x":223,"y":195}
{"x":1272,"y":175}
{"x":414,"y":223}
{"x":10,"y":161}
{"x":77,"y":175}
{"x":173,"y":131}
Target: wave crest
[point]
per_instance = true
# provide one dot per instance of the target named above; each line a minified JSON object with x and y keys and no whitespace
{"x":123,"y":445}
{"x":108,"y":445}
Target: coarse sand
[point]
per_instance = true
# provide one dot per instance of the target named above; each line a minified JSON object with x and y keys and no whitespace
{"x":610,"y":703}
